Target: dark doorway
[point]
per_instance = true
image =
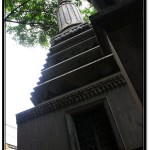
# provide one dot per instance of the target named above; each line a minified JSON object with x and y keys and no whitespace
{"x":109,"y":2}
{"x":94,"y":130}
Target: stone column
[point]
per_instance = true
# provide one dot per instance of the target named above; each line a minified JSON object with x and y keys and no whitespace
{"x":68,"y":15}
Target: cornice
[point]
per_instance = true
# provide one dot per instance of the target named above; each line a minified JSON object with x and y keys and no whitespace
{"x":72,"y":98}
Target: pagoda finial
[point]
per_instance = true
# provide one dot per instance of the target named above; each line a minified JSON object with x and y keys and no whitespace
{"x":68,"y":15}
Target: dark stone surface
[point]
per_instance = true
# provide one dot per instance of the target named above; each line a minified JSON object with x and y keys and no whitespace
{"x":71,"y":64}
{"x":71,"y":51}
{"x":116,"y":17}
{"x":66,"y":67}
{"x":73,"y":97}
{"x":75,"y":79}
{"x":129,"y":48}
{"x":50,"y":130}
{"x":71,"y":41}
{"x":66,"y":34}
{"x":124,"y":27}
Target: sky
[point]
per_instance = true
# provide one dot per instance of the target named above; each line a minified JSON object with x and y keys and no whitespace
{"x":23,"y":67}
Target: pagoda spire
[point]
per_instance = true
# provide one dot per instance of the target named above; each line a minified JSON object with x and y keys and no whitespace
{"x":68,"y":15}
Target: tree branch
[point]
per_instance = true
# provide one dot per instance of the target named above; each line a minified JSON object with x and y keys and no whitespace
{"x":19,"y":22}
{"x":32,"y":23}
{"x":15,"y":10}
{"x":15,"y":21}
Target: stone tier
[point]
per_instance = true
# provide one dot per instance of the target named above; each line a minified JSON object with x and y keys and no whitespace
{"x":72,"y":31}
{"x":71,"y":64}
{"x":65,"y":58}
{"x":71,"y":41}
{"x":70,"y":52}
{"x":73,"y":79}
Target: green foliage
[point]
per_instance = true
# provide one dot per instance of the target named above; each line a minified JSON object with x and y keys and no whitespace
{"x":88,"y":11}
{"x":34,"y":21}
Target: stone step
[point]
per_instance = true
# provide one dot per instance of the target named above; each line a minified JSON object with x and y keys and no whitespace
{"x":72,"y":41}
{"x":70,"y":52}
{"x":71,"y":63}
{"x":76,"y":78}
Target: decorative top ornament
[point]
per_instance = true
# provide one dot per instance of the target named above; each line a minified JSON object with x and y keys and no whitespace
{"x":68,"y":15}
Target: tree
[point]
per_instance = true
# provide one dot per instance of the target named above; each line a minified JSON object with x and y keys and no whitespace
{"x":33,"y":22}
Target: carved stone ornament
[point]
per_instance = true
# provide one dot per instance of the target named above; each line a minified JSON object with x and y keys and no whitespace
{"x":72,"y":31}
{"x":72,"y":98}
{"x":68,"y":15}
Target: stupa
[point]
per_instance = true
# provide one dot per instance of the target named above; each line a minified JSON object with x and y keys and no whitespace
{"x":83,"y":100}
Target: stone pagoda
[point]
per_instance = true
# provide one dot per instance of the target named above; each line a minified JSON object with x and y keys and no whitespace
{"x":84,"y":99}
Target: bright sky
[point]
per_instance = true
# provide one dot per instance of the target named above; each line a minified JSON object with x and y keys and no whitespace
{"x":23,"y":67}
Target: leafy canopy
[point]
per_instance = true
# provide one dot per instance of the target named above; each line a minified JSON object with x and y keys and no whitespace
{"x":34,"y":21}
